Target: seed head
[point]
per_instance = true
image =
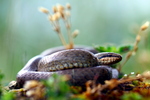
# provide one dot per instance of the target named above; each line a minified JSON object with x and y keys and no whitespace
{"x":145,"y":26}
{"x":75,"y":33}
{"x":68,"y":6}
{"x":30,"y":84}
{"x":138,"y":75}
{"x":53,"y":17}
{"x":60,"y":8}
{"x":58,"y":14}
{"x":44,"y":10}
{"x":54,"y":9}
{"x":146,"y":74}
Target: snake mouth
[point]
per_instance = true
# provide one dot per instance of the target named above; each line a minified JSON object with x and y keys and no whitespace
{"x":109,"y":58}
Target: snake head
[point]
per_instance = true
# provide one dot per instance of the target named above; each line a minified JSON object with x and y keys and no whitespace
{"x":108,"y":58}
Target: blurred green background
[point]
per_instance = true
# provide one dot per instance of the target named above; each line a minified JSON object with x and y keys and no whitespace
{"x":25,"y":32}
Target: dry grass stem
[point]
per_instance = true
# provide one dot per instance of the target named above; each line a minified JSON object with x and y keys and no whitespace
{"x":135,"y":47}
{"x":63,"y":13}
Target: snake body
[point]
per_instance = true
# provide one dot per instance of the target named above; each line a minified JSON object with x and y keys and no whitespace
{"x":81,"y":65}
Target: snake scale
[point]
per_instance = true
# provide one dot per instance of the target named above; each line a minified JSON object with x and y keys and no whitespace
{"x":80,"y":64}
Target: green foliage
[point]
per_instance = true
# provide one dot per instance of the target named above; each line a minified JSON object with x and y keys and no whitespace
{"x":1,"y":77}
{"x":3,"y":94}
{"x":57,"y":88}
{"x":135,"y":82}
{"x":131,"y":96}
{"x":8,"y":96}
{"x":115,"y":49}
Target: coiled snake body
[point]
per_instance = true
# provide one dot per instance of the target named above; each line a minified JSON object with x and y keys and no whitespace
{"x":80,"y":64}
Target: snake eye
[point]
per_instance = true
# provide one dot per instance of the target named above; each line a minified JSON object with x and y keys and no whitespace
{"x":106,"y":56}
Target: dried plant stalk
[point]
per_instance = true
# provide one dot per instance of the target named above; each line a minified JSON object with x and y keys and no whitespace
{"x":63,"y":13}
{"x":137,"y":40}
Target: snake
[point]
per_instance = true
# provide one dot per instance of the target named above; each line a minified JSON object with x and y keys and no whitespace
{"x":80,"y":64}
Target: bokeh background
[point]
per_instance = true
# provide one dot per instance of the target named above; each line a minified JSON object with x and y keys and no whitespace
{"x":25,"y":32}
